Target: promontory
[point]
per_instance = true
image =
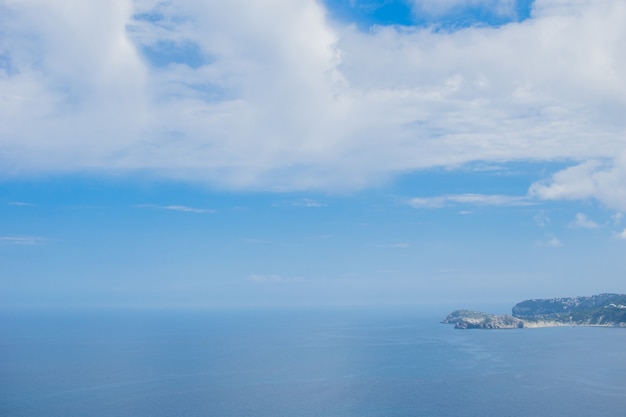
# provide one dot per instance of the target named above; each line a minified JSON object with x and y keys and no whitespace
{"x":608,"y":310}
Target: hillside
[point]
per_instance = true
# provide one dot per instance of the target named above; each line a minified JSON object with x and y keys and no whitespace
{"x":595,"y":310}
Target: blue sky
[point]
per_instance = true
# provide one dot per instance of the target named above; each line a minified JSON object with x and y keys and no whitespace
{"x":299,"y":153}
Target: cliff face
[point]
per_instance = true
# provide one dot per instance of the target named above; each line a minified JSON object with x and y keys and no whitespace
{"x":496,"y":322}
{"x":596,"y":310}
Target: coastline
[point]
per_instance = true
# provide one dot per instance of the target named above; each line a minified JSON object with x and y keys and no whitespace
{"x":545,"y":323}
{"x":602,"y":310}
{"x":505,"y":322}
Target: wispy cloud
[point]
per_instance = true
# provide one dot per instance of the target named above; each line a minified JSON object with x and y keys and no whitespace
{"x":185,"y":209}
{"x":469,"y":199}
{"x":302,"y":202}
{"x":399,"y":245}
{"x":583,"y":222}
{"x":255,"y":241}
{"x":23,"y":240}
{"x":551,"y":242}
{"x":20,"y":204}
{"x":307,"y":202}
{"x":621,"y":235}
{"x":272,"y":278}
{"x":541,"y":219}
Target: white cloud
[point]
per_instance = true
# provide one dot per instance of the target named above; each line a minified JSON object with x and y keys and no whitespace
{"x":604,"y":181}
{"x":280,"y":98}
{"x":272,"y":278}
{"x":399,"y":245}
{"x":570,"y":184}
{"x":307,"y":202}
{"x":301,"y":202}
{"x":582,"y":221}
{"x":23,"y":240}
{"x":20,"y":204}
{"x":552,"y":242}
{"x":185,"y":209}
{"x":254,"y":241}
{"x":469,"y":199}
{"x":541,"y":219}
{"x":617,"y":218}
{"x":621,"y":235}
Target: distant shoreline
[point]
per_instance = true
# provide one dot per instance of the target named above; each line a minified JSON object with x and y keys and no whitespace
{"x":603,"y":310}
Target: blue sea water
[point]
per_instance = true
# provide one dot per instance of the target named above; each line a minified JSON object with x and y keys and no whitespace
{"x":301,"y":363}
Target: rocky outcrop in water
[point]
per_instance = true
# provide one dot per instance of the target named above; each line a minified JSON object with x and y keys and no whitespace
{"x":597,"y":310}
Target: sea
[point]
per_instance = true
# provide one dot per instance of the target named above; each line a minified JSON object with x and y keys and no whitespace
{"x":301,"y":363}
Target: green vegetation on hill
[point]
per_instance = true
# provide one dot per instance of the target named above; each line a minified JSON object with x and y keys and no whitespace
{"x":602,"y":309}
{"x":596,"y":310}
{"x":458,"y":315}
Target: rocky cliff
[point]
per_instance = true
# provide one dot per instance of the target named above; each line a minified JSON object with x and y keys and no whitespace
{"x":596,"y":310}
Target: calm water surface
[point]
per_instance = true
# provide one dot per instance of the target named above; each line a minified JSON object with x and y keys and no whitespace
{"x":297,"y":363}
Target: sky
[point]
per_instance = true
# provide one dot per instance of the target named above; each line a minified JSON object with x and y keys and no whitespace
{"x":283,"y":153}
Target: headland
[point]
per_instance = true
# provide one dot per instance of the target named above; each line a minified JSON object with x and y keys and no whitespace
{"x":606,"y":310}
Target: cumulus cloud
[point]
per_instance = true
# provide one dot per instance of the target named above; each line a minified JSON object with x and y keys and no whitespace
{"x":601,"y":180}
{"x":582,"y":221}
{"x":273,"y":95}
{"x":621,"y":235}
